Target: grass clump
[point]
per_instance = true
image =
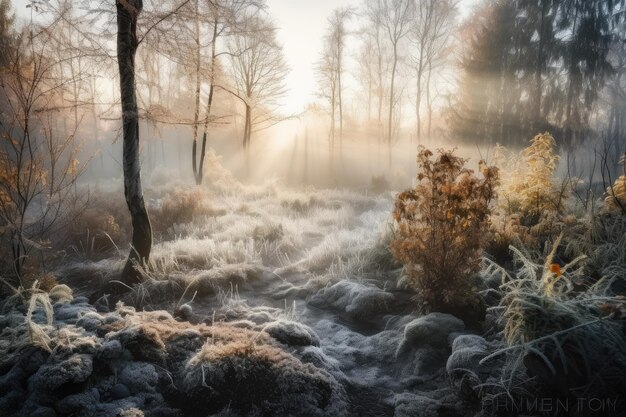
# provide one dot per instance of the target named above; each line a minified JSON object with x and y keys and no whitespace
{"x":568,"y":342}
{"x":180,"y":206}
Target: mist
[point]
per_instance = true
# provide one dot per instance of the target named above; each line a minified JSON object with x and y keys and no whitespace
{"x":285,"y":208}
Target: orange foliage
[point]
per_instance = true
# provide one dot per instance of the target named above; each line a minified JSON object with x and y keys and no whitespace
{"x":556,"y":270}
{"x":441,"y":228}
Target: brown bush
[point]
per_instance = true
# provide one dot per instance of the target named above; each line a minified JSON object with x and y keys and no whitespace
{"x":100,"y":226}
{"x":441,"y":229}
{"x":615,"y":197}
{"x":45,"y":282}
{"x":180,"y":206}
{"x":507,"y":230}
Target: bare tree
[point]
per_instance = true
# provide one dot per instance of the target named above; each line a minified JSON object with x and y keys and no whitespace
{"x":225,"y":21}
{"x":127,"y":13}
{"x":395,"y":17}
{"x":328,"y":90}
{"x":38,"y":165}
{"x":430,"y":35}
{"x":336,"y":37}
{"x":258,"y":70}
{"x":330,"y":68}
{"x":367,"y":73}
{"x":203,"y":30}
{"x":615,"y":99}
{"x":374,"y":32}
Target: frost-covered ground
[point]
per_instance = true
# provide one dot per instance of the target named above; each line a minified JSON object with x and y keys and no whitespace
{"x":276,"y":302}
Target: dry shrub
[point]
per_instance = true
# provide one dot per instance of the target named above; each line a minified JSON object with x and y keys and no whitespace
{"x":45,"y":282}
{"x":216,"y":176}
{"x":103,"y":224}
{"x":507,"y":231}
{"x":615,"y":200}
{"x":531,"y":202}
{"x":180,"y":206}
{"x":304,"y":205}
{"x":379,"y":184}
{"x":441,"y":229}
{"x":531,"y":189}
{"x":31,"y":278}
{"x":270,"y":232}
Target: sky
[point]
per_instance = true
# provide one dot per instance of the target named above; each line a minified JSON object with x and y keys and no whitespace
{"x":301,"y":28}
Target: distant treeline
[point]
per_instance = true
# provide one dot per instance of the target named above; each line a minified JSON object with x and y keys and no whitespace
{"x":530,"y":66}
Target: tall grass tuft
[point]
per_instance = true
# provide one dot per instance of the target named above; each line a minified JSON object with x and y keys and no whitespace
{"x":556,"y":334}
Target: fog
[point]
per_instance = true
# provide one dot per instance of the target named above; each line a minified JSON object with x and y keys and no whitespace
{"x":338,"y":208}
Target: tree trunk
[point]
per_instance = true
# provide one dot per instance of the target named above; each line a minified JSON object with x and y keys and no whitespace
{"x":209,"y":104}
{"x":331,"y":144}
{"x":418,"y":98}
{"x":380,"y":87}
{"x":96,"y":130}
{"x":292,"y":177}
{"x":196,"y":115}
{"x":247,"y":130}
{"x":539,"y":67}
{"x":503,"y":101}
{"x":369,"y":93}
{"x":429,"y":101}
{"x":340,"y":102}
{"x":391,"y":98}
{"x":573,"y":74}
{"x":306,"y":157}
{"x":418,"y":103}
{"x":127,"y":13}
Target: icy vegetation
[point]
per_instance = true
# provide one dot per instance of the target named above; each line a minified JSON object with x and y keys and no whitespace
{"x":280,"y":298}
{"x":265,"y":301}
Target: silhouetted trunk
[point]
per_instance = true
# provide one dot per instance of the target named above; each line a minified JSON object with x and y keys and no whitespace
{"x":340,"y":102}
{"x":391,"y":98}
{"x":162,"y":151}
{"x":418,"y":98}
{"x":209,"y":104}
{"x":429,"y":101}
{"x":379,"y":74}
{"x":196,"y":115}
{"x":573,"y":75}
{"x":539,"y":67}
{"x":503,"y":101}
{"x":96,"y":130}
{"x":369,"y":94}
{"x":306,"y":157}
{"x":127,"y":13}
{"x":418,"y":103}
{"x":331,"y":142}
{"x":292,"y":177}
{"x":247,"y":130}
